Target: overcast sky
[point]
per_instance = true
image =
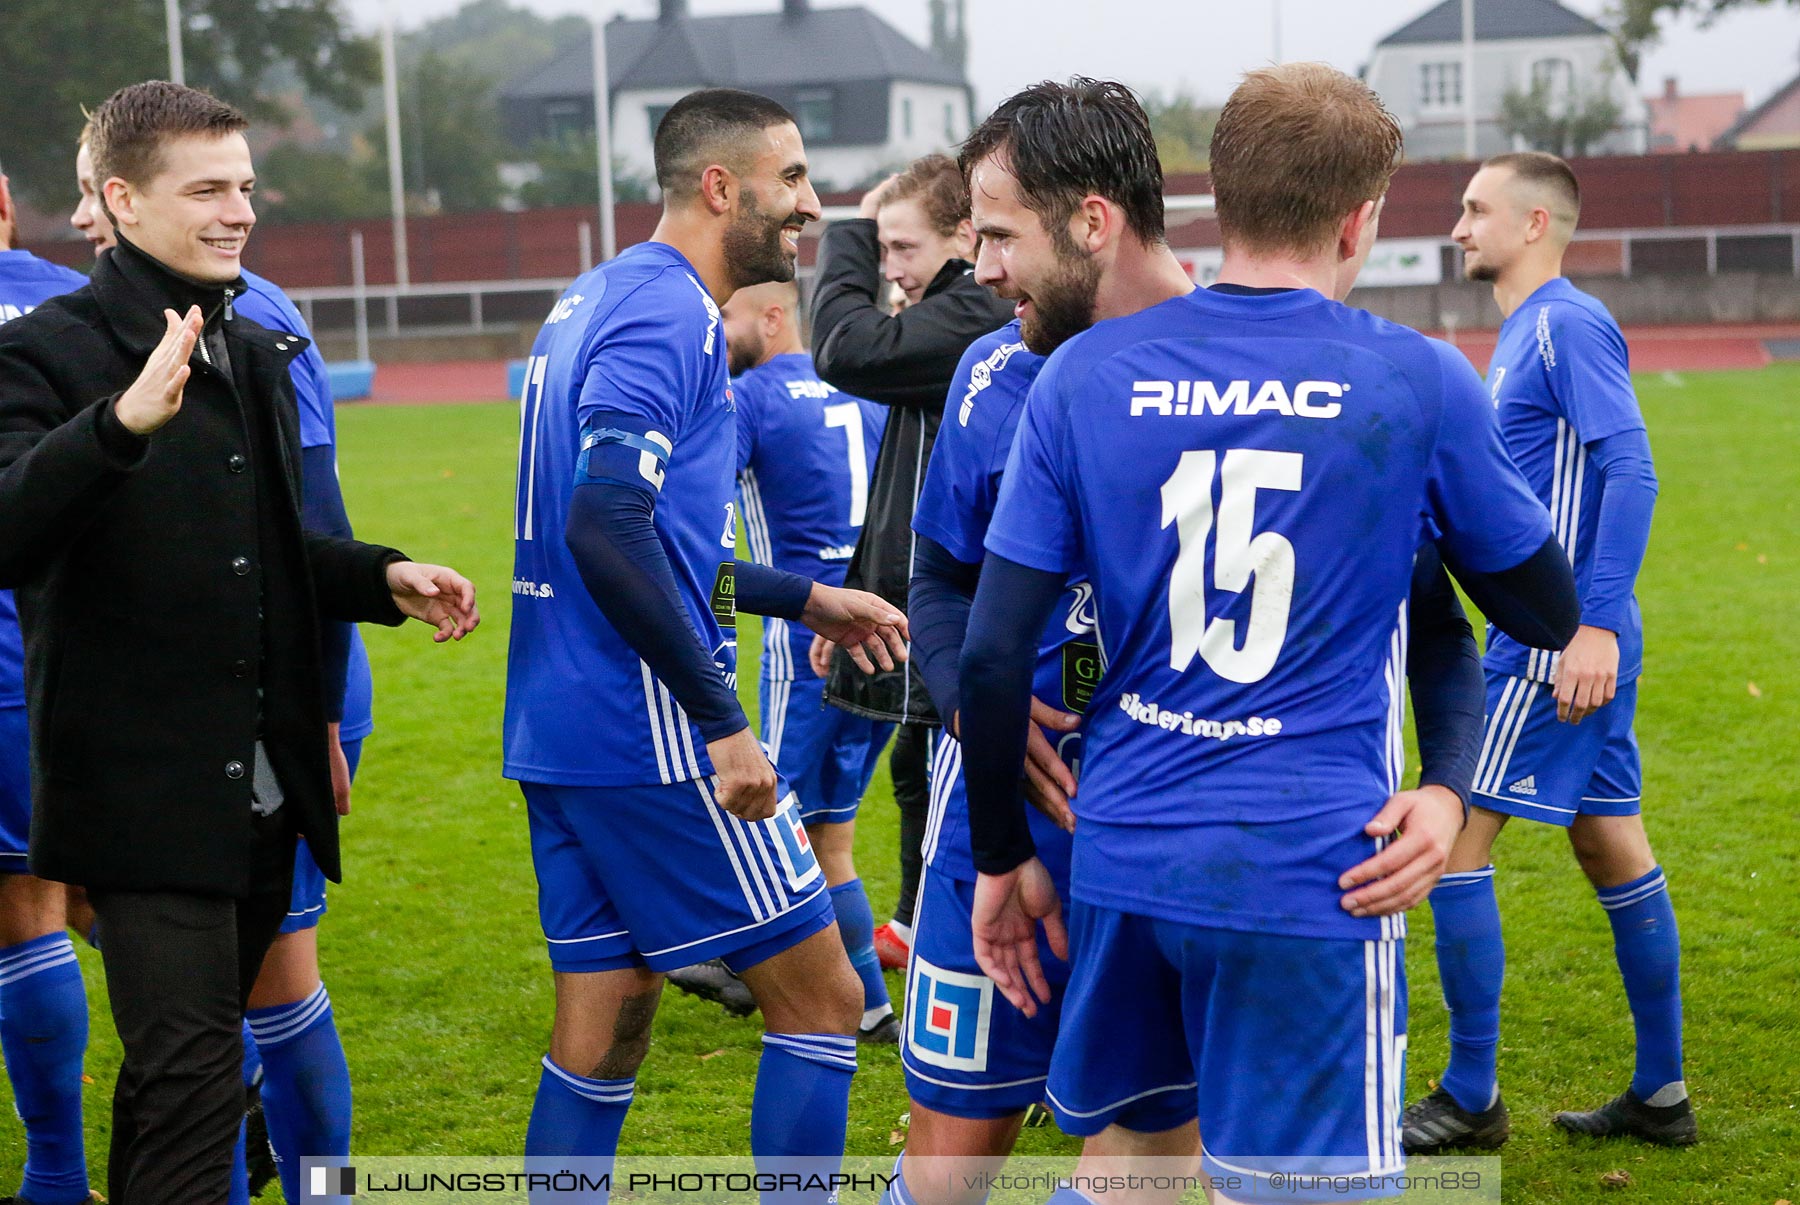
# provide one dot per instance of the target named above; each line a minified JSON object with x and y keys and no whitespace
{"x":1202,"y":45}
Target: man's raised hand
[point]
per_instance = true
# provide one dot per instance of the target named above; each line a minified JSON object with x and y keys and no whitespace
{"x":155,"y":397}
{"x":867,"y":626}
{"x":433,"y":594}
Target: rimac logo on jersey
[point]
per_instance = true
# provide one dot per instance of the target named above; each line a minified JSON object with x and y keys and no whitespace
{"x":948,"y":1017}
{"x":797,"y":860}
{"x":982,"y":375}
{"x":1181,"y":398}
{"x":564,"y":308}
{"x":804,"y":388}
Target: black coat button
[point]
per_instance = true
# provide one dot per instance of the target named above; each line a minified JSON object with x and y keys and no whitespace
{"x":234,"y":769}
{"x":240,"y":669}
{"x":240,"y":565}
{"x":236,"y":463}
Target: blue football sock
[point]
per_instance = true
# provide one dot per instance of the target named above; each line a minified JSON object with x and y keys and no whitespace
{"x":1648,"y":947}
{"x":253,"y":1063}
{"x":856,"y":925}
{"x":306,"y":1084}
{"x":44,"y":1031}
{"x":240,"y":1165}
{"x":802,"y":1108}
{"x":1471,"y":959}
{"x":575,"y":1126}
{"x":240,"y":1171}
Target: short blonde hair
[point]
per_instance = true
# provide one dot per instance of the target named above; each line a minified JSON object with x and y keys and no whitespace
{"x":1297,"y":148}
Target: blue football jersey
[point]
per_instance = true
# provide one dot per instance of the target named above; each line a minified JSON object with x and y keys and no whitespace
{"x":265,"y":304}
{"x":1560,"y":380}
{"x":638,"y":336}
{"x":1244,"y":480}
{"x":25,"y":280}
{"x":956,"y":505}
{"x":804,"y":452}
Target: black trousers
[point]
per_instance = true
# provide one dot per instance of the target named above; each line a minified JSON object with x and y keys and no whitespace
{"x":179,"y":969}
{"x":908,"y":764}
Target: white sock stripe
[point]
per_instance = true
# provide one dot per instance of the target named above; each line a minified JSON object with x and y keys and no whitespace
{"x":830,"y":1043}
{"x":801,"y":1048}
{"x":897,"y":1190}
{"x":291,"y":1021}
{"x":1636,"y":895}
{"x":600,"y":1091}
{"x":16,"y":955}
{"x":20,"y":967}
{"x":1457,"y":877}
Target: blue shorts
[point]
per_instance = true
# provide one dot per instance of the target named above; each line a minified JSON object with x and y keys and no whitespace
{"x":1291,"y":1050}
{"x":968,"y":1052}
{"x":15,"y":789}
{"x":306,"y":907}
{"x":827,"y":754}
{"x":661,"y":876}
{"x":1536,"y":767}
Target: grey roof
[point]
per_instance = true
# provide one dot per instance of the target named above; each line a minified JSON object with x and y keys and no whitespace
{"x":1750,"y":117}
{"x":742,"y":50}
{"x":1495,"y":20}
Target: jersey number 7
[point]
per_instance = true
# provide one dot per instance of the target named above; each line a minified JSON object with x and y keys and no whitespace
{"x":1239,"y":555}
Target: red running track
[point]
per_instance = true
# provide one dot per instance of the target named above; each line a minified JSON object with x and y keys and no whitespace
{"x":1653,"y":349}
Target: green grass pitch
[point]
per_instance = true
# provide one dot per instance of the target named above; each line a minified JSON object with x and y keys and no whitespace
{"x":437,"y":968}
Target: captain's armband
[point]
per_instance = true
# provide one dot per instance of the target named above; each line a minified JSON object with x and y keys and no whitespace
{"x":612,"y":450}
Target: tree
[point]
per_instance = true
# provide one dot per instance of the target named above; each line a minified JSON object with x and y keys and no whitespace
{"x":450,"y":136}
{"x":299,"y":184}
{"x":57,"y":57}
{"x":1183,"y":128}
{"x":1636,"y":22}
{"x":1563,"y":126}
{"x":568,"y":175}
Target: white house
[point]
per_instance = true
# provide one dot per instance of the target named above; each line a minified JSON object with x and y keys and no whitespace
{"x":1419,"y":72}
{"x":867,"y":98}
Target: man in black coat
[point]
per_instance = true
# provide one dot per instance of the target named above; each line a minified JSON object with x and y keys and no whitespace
{"x":171,"y":604}
{"x":914,"y":233}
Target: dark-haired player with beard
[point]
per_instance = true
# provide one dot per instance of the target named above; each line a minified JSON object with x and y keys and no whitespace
{"x":1204,"y":460}
{"x":660,"y":832}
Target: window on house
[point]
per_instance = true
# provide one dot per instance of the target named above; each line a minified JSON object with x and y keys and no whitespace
{"x":1440,"y":85}
{"x":656,"y":113}
{"x":816,"y":112}
{"x":906,"y":117}
{"x":565,"y":120}
{"x":949,"y":123}
{"x":1555,"y":80}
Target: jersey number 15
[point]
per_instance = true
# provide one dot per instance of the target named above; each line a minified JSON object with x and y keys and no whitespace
{"x":1239,"y":555}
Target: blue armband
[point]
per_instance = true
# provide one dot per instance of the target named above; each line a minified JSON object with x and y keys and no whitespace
{"x":613,"y":453}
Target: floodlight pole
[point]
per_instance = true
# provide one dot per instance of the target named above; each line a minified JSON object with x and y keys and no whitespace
{"x":172,"y":22}
{"x":390,"y":95}
{"x":1468,"y":83}
{"x":609,"y":241}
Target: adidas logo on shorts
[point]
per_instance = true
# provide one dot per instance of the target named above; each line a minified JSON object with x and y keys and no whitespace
{"x":1525,"y":786}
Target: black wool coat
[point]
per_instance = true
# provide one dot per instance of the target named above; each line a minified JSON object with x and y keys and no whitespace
{"x":170,"y":600}
{"x":905,"y":361}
